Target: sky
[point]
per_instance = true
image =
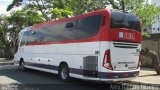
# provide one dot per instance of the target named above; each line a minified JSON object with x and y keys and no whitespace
{"x":3,"y":6}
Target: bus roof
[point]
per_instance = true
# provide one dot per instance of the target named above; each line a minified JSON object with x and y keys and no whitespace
{"x":41,"y":25}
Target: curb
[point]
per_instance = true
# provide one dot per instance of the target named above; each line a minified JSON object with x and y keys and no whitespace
{"x":143,"y":83}
{"x":6,"y":63}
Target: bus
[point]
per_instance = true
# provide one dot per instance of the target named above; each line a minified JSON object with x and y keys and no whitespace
{"x":102,"y":45}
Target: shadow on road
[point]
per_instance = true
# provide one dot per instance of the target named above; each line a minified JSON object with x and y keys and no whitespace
{"x":37,"y":80}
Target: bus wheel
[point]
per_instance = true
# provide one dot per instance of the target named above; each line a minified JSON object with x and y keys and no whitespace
{"x":64,"y":73}
{"x":22,"y":65}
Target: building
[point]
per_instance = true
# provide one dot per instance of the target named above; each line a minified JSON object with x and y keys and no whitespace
{"x":155,"y":28}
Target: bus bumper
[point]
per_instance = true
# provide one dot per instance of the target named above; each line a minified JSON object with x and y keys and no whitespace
{"x":119,"y":76}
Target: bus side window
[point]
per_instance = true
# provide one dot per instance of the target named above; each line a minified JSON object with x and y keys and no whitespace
{"x":89,"y":26}
{"x":38,"y":36}
{"x":68,"y":33}
{"x":69,"y":25}
{"x":27,"y":38}
{"x":24,"y":38}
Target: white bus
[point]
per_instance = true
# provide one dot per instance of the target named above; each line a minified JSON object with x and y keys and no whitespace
{"x":103,"y":45}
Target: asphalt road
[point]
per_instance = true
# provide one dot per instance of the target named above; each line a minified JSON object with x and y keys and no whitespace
{"x":12,"y":78}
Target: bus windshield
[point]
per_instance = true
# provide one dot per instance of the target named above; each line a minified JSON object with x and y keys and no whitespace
{"x":125,"y":20}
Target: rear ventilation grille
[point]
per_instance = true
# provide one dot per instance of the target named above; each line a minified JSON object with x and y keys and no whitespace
{"x":90,"y":64}
{"x":125,"y":45}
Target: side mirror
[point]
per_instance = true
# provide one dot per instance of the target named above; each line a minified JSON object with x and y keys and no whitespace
{"x":69,"y":25}
{"x":33,"y":32}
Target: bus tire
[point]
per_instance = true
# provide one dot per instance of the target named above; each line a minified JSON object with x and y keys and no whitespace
{"x":64,"y":73}
{"x":22,"y":65}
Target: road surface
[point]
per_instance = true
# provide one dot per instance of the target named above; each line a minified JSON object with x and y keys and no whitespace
{"x":12,"y":78}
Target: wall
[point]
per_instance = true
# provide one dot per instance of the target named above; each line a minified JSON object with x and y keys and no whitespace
{"x":153,"y":45}
{"x":2,"y":52}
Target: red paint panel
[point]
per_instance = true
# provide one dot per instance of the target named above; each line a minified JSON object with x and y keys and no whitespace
{"x":128,"y":35}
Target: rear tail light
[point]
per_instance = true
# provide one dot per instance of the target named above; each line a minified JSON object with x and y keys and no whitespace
{"x":107,"y":60}
{"x":139,"y":61}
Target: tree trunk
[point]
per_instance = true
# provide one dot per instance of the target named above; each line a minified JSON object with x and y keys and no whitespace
{"x":9,"y":54}
{"x":123,"y":5}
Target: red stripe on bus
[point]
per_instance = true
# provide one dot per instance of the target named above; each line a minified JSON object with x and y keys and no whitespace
{"x":111,"y":35}
{"x":114,"y":35}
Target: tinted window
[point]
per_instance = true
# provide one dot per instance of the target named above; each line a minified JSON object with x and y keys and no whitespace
{"x":68,"y":33}
{"x":29,"y":37}
{"x":24,"y":38}
{"x":124,"y":20}
{"x":51,"y":33}
{"x":88,"y":26}
{"x":57,"y":32}
{"x":80,"y":29}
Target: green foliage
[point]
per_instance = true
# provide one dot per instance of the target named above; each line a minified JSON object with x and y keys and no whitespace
{"x":4,"y":30}
{"x":22,"y":18}
{"x":53,"y":9}
{"x":147,"y":13}
{"x":81,"y":6}
{"x":25,"y":18}
{"x":49,"y":9}
{"x":11,"y":25}
{"x":145,"y":35}
{"x":60,"y":13}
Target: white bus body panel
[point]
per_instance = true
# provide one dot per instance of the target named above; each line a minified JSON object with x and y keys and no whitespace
{"x":71,"y":53}
{"x":124,"y":59}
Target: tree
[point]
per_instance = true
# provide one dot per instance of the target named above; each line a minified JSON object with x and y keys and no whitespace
{"x":11,"y":25}
{"x":55,"y":9}
{"x":4,"y":29}
{"x":81,"y":6}
{"x":21,"y":19}
{"x":50,"y":9}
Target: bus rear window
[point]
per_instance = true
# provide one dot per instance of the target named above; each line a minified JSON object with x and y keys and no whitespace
{"x":125,"y":20}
